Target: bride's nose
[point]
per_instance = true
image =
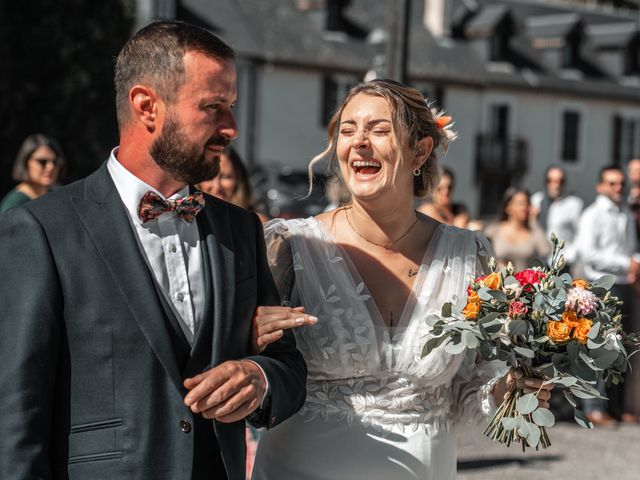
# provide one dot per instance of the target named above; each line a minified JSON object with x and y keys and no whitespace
{"x":360,"y":140}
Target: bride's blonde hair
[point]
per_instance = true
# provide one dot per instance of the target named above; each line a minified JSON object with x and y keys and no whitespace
{"x":412,"y":118}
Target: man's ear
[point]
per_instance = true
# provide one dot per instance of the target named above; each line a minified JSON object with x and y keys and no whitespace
{"x":145,"y":105}
{"x":422,"y":151}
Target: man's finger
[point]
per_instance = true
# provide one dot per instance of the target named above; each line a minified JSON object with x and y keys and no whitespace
{"x":268,"y":338}
{"x":205,"y":383}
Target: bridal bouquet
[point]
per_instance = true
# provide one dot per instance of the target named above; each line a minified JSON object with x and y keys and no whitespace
{"x":546,"y":324}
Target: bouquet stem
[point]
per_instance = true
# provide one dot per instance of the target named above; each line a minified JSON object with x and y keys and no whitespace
{"x":496,"y":430}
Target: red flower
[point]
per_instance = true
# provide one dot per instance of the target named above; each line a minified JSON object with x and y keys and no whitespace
{"x":529,"y":277}
{"x":517,"y":309}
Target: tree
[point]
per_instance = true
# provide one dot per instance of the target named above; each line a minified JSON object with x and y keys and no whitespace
{"x":56,"y":77}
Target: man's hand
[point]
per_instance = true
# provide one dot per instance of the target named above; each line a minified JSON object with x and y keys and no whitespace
{"x":228,"y":392}
{"x":634,"y":270}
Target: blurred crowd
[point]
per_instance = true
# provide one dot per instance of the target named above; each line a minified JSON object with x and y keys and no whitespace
{"x":601,"y":238}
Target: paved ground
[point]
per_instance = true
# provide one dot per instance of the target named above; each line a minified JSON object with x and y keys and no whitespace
{"x":602,"y":453}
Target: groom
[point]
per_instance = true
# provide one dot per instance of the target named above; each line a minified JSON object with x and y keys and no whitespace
{"x":126,"y":299}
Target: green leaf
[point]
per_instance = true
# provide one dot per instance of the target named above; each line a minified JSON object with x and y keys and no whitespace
{"x":525,"y":352}
{"x":606,"y":282}
{"x":567,"y":381}
{"x":498,"y":295}
{"x":446,"y":310}
{"x":581,"y":419}
{"x":543,"y":417}
{"x":483,"y":293}
{"x":434,"y":343}
{"x":527,"y":403}
{"x":470,"y":340}
{"x":603,"y":358}
{"x":570,"y":398}
{"x":511,"y":423}
{"x":432,"y":320}
{"x":455,"y":348}
{"x":518,"y":327}
{"x":531,"y":432}
{"x":593,"y":332}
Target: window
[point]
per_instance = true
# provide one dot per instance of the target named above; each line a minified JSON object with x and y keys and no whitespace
{"x":334,"y":89}
{"x":570,"y":149}
{"x":626,"y":138}
{"x":500,"y":121}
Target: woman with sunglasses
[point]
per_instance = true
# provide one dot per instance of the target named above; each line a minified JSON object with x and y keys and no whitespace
{"x":38,"y":166}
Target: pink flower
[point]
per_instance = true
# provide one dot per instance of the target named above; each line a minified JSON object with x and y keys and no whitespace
{"x":529,"y":277}
{"x":517,"y":309}
{"x":582,"y":301}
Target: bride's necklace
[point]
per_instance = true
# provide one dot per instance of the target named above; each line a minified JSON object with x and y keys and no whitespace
{"x":383,"y":245}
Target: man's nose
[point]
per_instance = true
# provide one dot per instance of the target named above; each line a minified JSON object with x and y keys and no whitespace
{"x":228,"y":127}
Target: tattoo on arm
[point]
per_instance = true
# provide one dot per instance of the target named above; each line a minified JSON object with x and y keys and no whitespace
{"x":413,"y":273}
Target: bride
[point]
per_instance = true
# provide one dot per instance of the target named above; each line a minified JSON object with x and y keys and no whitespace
{"x":368,"y":275}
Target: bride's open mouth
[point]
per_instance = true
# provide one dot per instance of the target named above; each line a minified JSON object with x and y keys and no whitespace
{"x":366,"y":168}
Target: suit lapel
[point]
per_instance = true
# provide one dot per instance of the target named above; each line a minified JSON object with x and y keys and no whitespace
{"x":215,"y":225}
{"x":105,"y":218}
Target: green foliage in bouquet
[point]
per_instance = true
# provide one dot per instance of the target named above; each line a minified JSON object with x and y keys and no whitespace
{"x":567,"y":331}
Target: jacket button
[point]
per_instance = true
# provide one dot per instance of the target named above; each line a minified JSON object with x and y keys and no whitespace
{"x":185,"y":426}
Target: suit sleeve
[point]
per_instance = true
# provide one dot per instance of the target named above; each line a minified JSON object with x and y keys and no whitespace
{"x":30,"y":333}
{"x":281,"y":361}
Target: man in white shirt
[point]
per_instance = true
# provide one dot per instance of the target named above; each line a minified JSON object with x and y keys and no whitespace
{"x":127,"y":298}
{"x":607,"y":245}
{"x":558,"y":211}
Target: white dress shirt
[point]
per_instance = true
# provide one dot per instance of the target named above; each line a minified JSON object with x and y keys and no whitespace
{"x":562,"y":219}
{"x":171,"y":246}
{"x":607,"y":239}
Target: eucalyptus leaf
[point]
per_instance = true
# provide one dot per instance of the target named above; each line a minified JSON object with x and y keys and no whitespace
{"x":455,"y":348}
{"x":603,"y":358}
{"x":570,"y":398}
{"x":511,"y":423}
{"x":433,"y":343}
{"x":539,"y":300}
{"x":606,"y":282}
{"x":566,"y":278}
{"x":470,"y":340}
{"x":594,"y":330}
{"x":511,"y":280}
{"x":566,"y":381}
{"x":446,"y":310}
{"x":518,"y":327}
{"x":531,"y":432}
{"x":527,"y":403}
{"x":483,"y":293}
{"x":498,"y":295}
{"x":581,"y":419}
{"x":543,"y":417}
{"x":432,"y":319}
{"x":525,"y":352}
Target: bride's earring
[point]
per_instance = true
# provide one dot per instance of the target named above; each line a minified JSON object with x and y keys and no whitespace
{"x":417,"y":172}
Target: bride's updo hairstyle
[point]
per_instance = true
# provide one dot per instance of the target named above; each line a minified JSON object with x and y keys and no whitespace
{"x":412,"y":119}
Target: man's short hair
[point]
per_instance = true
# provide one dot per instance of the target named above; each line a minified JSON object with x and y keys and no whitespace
{"x":154,"y":57}
{"x":608,"y":168}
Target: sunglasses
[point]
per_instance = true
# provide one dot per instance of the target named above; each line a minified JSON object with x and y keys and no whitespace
{"x":43,"y":162}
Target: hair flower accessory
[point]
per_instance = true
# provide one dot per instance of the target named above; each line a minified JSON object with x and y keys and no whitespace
{"x":443,"y":120}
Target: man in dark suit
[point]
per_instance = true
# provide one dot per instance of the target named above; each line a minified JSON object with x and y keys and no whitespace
{"x":126,"y":307}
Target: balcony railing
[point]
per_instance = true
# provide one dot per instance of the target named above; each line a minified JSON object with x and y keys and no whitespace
{"x":500,"y":156}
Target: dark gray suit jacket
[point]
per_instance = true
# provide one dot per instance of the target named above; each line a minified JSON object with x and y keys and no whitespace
{"x":89,"y":384}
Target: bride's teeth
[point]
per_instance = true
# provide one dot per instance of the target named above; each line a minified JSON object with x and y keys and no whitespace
{"x":359,"y":163}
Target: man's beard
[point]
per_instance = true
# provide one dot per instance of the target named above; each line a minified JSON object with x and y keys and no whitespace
{"x":181,"y":158}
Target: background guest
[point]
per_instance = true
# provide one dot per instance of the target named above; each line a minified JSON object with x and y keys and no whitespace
{"x":232,"y":183}
{"x":515,"y":237}
{"x":558,"y":211}
{"x":38,"y":166}
{"x":606,"y":245}
{"x":439,"y":205}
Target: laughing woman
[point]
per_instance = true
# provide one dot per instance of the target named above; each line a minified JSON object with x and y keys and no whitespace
{"x":370,"y":273}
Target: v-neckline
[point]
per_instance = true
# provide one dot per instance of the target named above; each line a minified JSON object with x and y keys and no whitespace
{"x":356,"y":278}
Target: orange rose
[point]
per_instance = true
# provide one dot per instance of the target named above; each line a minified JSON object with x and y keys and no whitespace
{"x":473,"y":306}
{"x":492,"y":281}
{"x":570,"y":318}
{"x":558,"y":332}
{"x":581,"y":283}
{"x":582,"y":330}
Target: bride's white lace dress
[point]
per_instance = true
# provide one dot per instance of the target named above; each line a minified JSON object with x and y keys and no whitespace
{"x":375,"y":409}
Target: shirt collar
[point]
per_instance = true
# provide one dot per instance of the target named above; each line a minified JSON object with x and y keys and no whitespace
{"x":609,"y":204}
{"x":132,"y":189}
